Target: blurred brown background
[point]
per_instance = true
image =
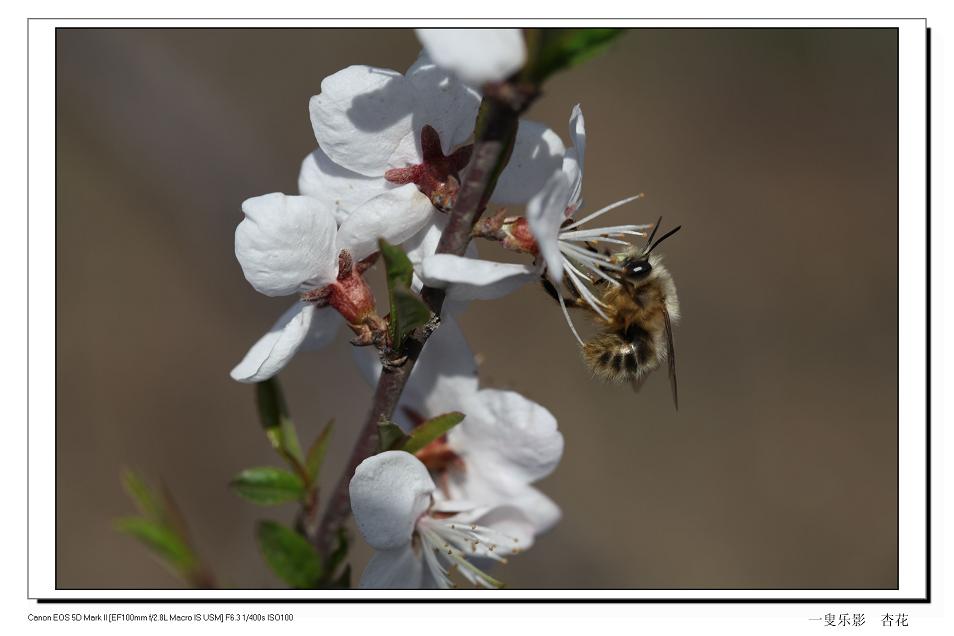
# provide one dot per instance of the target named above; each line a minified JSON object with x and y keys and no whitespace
{"x":775,"y":149}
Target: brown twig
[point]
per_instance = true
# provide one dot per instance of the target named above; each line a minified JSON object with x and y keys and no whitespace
{"x":494,"y":136}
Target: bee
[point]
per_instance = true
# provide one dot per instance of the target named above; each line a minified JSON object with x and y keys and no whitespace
{"x":636,"y":312}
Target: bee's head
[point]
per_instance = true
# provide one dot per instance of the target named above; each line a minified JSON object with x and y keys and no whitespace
{"x":637,"y":268}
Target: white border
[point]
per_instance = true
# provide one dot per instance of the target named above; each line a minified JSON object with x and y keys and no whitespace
{"x":912,"y":317}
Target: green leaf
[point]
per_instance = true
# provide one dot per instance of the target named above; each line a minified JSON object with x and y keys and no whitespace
{"x":396,"y":263}
{"x":552,"y":50}
{"x":289,"y":555}
{"x":390,"y":436}
{"x":316,"y":453}
{"x":140,"y":492}
{"x":268,"y":486}
{"x":408,"y":312}
{"x":273,"y":413}
{"x":428,"y":431}
{"x":161,"y":539}
{"x":411,"y":313}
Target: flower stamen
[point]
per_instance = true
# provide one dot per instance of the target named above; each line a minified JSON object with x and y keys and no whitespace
{"x":446,"y":546}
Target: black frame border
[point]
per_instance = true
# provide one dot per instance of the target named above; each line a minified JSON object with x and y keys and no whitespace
{"x":928,"y":513}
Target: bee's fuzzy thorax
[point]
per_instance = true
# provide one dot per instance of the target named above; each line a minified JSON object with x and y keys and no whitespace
{"x":633,"y":341}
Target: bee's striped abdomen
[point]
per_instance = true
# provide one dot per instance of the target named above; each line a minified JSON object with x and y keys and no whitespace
{"x":613,"y":358}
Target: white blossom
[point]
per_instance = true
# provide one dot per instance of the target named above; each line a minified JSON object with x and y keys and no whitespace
{"x":420,"y":537}
{"x":378,"y":129}
{"x":476,"y":56}
{"x":505,"y":442}
{"x":292,"y":245}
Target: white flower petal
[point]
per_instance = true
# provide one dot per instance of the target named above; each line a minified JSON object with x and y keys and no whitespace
{"x":578,"y":139}
{"x":389,"y":491}
{"x":424,"y":243}
{"x":302,"y":327}
{"x":363,"y":119}
{"x":444,"y":377}
{"x":476,"y":56}
{"x":537,"y":154}
{"x":286,"y":243}
{"x":474,"y":279}
{"x":399,"y":568}
{"x":540,"y":509}
{"x":324,"y":328}
{"x":507,"y":438}
{"x":444,"y":103}
{"x":445,"y":374}
{"x":545,"y":213}
{"x":512,"y":522}
{"x":574,"y":175}
{"x":423,"y":60}
{"x":395,"y":216}
{"x":341,"y":189}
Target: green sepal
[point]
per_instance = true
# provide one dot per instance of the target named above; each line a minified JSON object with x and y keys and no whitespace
{"x":268,"y":486}
{"x":149,"y":505}
{"x":273,"y":414}
{"x":553,"y":50}
{"x":317,"y":451}
{"x":289,"y":554}
{"x":407,"y":311}
{"x":428,"y":431}
{"x":390,"y":436}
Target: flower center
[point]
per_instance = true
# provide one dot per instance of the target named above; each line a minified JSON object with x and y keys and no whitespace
{"x":446,"y":543}
{"x":438,"y":456}
{"x":437,"y":176}
{"x":351,"y":297}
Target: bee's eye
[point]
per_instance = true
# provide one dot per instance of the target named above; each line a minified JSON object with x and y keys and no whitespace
{"x":639,"y":269}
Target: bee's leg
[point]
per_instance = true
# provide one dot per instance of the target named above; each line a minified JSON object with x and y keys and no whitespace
{"x":594,"y":247}
{"x":549,"y":288}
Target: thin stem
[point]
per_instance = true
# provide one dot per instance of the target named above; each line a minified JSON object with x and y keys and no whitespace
{"x":494,"y":136}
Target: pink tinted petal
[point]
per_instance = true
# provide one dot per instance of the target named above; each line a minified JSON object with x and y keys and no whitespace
{"x":342,"y":190}
{"x":389,"y":491}
{"x":476,"y":56}
{"x":537,"y":154}
{"x":545,"y":214}
{"x":395,"y":216}
{"x":363,"y":119}
{"x":286,"y":243}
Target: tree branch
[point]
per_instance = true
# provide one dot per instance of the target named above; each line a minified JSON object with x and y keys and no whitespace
{"x":494,"y":137}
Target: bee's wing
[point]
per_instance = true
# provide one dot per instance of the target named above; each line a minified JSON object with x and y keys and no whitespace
{"x":671,"y":360}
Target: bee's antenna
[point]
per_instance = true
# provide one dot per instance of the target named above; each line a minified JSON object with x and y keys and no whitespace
{"x":652,"y":234}
{"x":662,"y":238}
